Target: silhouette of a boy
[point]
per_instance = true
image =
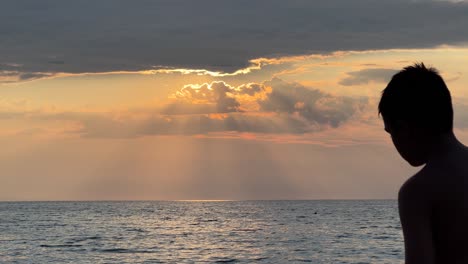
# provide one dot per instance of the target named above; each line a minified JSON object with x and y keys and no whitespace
{"x":433,"y":204}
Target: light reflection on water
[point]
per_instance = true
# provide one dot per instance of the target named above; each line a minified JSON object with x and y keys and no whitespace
{"x":211,"y":232}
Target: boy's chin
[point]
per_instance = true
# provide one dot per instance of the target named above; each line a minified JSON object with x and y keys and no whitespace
{"x":416,"y":163}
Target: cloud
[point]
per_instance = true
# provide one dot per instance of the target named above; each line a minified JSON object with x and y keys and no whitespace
{"x":33,"y":75}
{"x":215,"y":97}
{"x":312,"y":106}
{"x":367,"y":75}
{"x":218,"y":93}
{"x":119,"y":35}
{"x":271,"y":107}
{"x":315,"y":106}
{"x":452,"y":77}
{"x":15,"y":76}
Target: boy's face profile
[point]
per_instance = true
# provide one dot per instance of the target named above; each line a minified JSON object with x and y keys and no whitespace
{"x":408,"y":142}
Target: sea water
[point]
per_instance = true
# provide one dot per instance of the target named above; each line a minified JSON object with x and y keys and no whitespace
{"x":328,"y":231}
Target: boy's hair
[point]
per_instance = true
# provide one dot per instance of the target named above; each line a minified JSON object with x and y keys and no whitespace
{"x":418,"y":95}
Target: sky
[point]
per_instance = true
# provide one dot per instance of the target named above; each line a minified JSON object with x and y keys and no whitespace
{"x":209,"y":99}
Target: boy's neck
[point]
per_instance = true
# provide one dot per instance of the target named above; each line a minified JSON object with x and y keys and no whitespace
{"x":443,"y":145}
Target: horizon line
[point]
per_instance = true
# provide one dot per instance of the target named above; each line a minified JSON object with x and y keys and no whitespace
{"x":200,"y":200}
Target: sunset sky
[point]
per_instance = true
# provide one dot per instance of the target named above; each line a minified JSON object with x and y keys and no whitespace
{"x":213,"y":99}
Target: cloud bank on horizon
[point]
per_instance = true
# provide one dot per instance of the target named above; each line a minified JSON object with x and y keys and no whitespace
{"x":42,"y":38}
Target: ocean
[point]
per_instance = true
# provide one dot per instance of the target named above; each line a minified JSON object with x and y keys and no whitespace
{"x":315,"y":231}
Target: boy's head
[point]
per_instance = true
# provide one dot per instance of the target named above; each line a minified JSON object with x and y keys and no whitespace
{"x":417,"y":109}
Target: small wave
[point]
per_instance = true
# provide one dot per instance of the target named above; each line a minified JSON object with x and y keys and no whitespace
{"x":226,"y":261}
{"x":138,"y":230}
{"x":81,"y":239}
{"x":124,"y":250}
{"x":248,"y":229}
{"x":343,"y":236}
{"x":300,"y":250}
{"x":209,"y":220}
{"x":382,"y":237}
{"x":115,"y":250}
{"x":259,"y":258}
{"x":60,"y":246}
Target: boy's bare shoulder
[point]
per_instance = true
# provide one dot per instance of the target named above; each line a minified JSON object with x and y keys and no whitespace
{"x":417,"y":188}
{"x":419,"y":183}
{"x":438,"y":179}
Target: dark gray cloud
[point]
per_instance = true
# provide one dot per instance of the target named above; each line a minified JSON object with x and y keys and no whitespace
{"x":109,"y":35}
{"x":314,"y":105}
{"x":13,"y":76}
{"x":367,"y":75}
{"x":33,"y":75}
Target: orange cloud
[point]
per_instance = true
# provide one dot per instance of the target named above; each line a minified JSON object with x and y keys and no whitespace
{"x":217,"y":116}
{"x":225,"y":97}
